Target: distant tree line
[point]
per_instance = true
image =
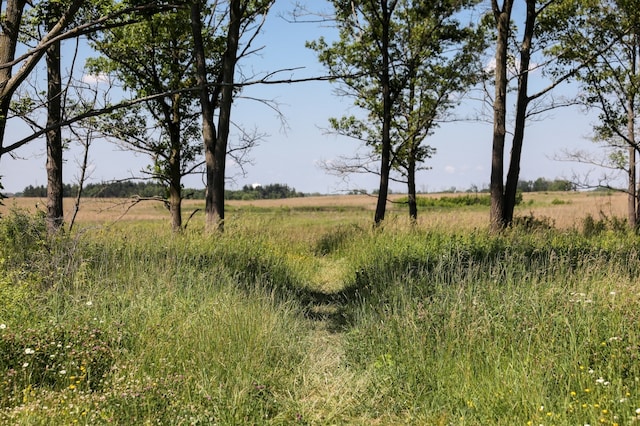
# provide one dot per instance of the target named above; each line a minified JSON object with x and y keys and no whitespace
{"x":542,"y":184}
{"x":103,"y":190}
{"x":149,"y":189}
{"x":259,"y":192}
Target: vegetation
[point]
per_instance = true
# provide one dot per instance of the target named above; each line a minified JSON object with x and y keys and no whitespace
{"x":407,"y":64}
{"x":316,"y":318}
{"x":542,"y":184}
{"x":147,"y":189}
{"x":451,"y":201}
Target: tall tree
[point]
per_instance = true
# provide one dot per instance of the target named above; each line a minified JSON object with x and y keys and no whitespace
{"x":55,"y":213}
{"x":219,"y":93}
{"x":396,"y":59}
{"x":65,"y":25}
{"x":611,"y":82}
{"x":537,"y":37}
{"x":154,"y":56}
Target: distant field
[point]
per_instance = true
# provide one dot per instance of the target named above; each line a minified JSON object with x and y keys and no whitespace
{"x":564,"y":209}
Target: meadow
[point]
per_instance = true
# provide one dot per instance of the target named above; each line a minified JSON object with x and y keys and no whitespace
{"x":302,"y":313}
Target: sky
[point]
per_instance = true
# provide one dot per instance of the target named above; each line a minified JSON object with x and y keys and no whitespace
{"x":292,"y":152}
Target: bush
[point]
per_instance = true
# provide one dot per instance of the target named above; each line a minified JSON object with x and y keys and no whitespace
{"x":593,"y":227}
{"x":457,"y":201}
{"x":22,"y":237}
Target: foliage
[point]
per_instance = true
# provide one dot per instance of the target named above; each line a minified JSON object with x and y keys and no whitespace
{"x":405,"y":65}
{"x":271,"y":191}
{"x":103,"y":190}
{"x":22,"y":238}
{"x":542,"y":184}
{"x":593,"y":227}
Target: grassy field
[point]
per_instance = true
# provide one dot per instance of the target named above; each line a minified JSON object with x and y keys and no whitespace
{"x":564,"y":209}
{"x":301,"y":313}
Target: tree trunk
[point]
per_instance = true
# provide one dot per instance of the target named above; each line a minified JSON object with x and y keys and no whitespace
{"x":411,"y":187}
{"x":522,"y":103}
{"x":175,"y":167}
{"x":10,"y":26}
{"x":224,"y":118}
{"x":55,"y":214}
{"x":207,"y":106}
{"x":502,"y":17}
{"x":385,"y":154}
{"x":632,"y":190}
{"x":632,"y":213}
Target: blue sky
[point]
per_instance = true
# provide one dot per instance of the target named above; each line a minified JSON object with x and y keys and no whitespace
{"x":291,"y":154}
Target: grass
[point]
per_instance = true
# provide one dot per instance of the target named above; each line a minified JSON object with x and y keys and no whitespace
{"x":309,"y":316}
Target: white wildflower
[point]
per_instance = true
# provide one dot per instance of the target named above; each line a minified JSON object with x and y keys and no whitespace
{"x":29,"y":351}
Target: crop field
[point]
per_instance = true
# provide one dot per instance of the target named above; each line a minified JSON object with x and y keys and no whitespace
{"x":302,"y":313}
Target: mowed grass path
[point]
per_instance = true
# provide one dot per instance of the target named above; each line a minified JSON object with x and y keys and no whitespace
{"x":303,"y":314}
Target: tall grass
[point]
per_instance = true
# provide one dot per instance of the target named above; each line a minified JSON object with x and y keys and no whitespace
{"x":282,"y":320}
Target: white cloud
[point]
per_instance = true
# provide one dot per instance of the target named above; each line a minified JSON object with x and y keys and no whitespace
{"x":95,"y":78}
{"x":450,"y":169}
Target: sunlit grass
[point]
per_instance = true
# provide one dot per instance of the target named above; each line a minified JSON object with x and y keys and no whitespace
{"x":315,"y":317}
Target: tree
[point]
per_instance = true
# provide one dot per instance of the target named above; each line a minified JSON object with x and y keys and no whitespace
{"x":55,"y":213}
{"x":611,"y":82}
{"x":43,"y":18}
{"x":401,"y":62}
{"x":154,"y":56}
{"x":538,"y":37}
{"x":242,"y":14}
{"x":434,"y":77}
{"x":64,"y":25}
{"x":361,"y":59}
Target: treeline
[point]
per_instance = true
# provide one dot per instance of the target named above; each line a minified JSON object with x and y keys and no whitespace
{"x":103,"y":190}
{"x":149,"y":189}
{"x":542,"y":185}
{"x":267,"y":192}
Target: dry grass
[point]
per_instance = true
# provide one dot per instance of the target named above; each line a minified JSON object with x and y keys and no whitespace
{"x":564,"y":209}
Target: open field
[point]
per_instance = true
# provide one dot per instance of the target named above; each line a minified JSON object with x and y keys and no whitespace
{"x":564,"y":209}
{"x":302,"y":313}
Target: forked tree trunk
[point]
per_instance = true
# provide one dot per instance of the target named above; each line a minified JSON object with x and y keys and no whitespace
{"x":216,"y":144}
{"x":502,"y":17}
{"x":522,"y":103}
{"x":207,"y":107}
{"x":224,"y":118}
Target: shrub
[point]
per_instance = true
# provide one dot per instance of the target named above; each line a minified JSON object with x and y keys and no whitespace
{"x":592,"y":227}
{"x":22,"y":237}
